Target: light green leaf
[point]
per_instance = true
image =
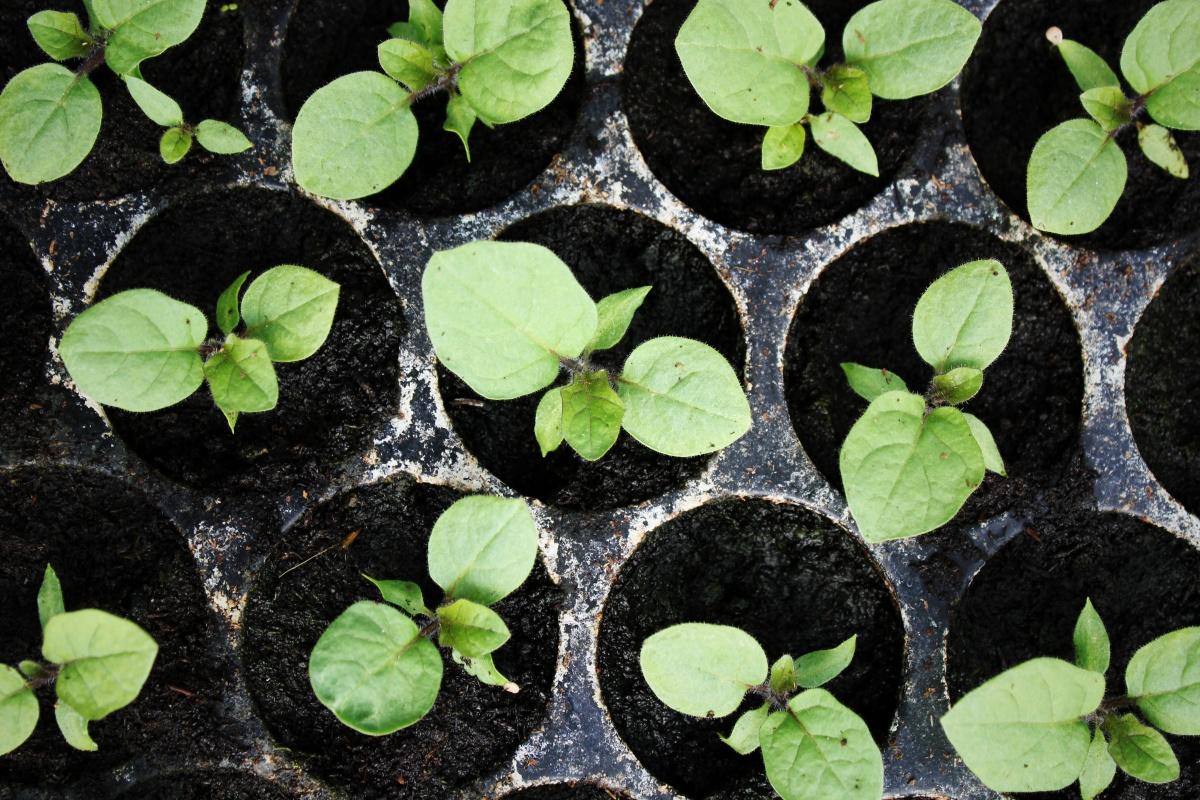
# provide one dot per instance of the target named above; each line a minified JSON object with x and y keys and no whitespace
{"x":374,"y":670}
{"x":870,"y":382}
{"x":405,"y":594}
{"x":484,"y":670}
{"x":221,"y":138}
{"x":548,"y":421}
{"x":1076,"y":176}
{"x":783,"y":145}
{"x":174,"y":145}
{"x":32,"y":670}
{"x":843,"y":140}
{"x":964,"y":318}
{"x":155,"y":104}
{"x":1140,"y":751}
{"x":1099,"y":769}
{"x":1108,"y":105}
{"x":59,"y":34}
{"x":425,"y":19}
{"x":19,"y":710}
{"x":992,"y":460}
{"x":50,"y":597}
{"x":613,"y":315}
{"x":591,"y":415}
{"x":291,"y":310}
{"x":744,"y":736}
{"x":1161,"y":58}
{"x":482,"y":548}
{"x":144,"y":28}
{"x":821,"y":666}
{"x":471,"y":629}
{"x":1163,"y":677}
{"x":702,"y":670}
{"x":460,"y":120}
{"x":783,"y":675}
{"x":241,"y":377}
{"x":847,"y":91}
{"x":1092,"y":651}
{"x":105,"y":660}
{"x":228,"y":315}
{"x":74,"y":727}
{"x":408,"y":62}
{"x":49,"y":120}
{"x":682,"y":398}
{"x":1159,"y":146}
{"x":501,"y":315}
{"x":959,"y":384}
{"x":1088,"y":68}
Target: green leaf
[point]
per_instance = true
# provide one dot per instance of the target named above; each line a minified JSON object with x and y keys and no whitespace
{"x":959,"y":384}
{"x":1099,"y":769}
{"x":1092,"y":650}
{"x":49,"y":120}
{"x":843,"y":140}
{"x":745,"y":59}
{"x":682,"y":398}
{"x":482,"y":548}
{"x":228,"y":315}
{"x":821,"y":666}
{"x":1140,"y":751}
{"x":744,"y":736}
{"x":354,"y":136}
{"x":870,"y":382}
{"x":1159,"y":146}
{"x":105,"y":660}
{"x":471,"y":629}
{"x":613,"y":315}
{"x":820,"y":750}
{"x":1089,"y":69}
{"x":155,"y":104}
{"x":907,"y":472}
{"x":425,"y":19}
{"x":74,"y":727}
{"x":221,"y":138}
{"x":992,"y":460}
{"x":59,"y":34}
{"x":783,"y":145}
{"x":460,"y":120}
{"x":783,"y":675}
{"x":591,"y":415}
{"x":241,"y":377}
{"x":501,"y":315}
{"x":702,"y":670}
{"x":484,"y":670}
{"x":374,"y":670}
{"x":1023,"y":731}
{"x":1161,"y":58}
{"x":910,"y":47}
{"x":291,"y":310}
{"x":137,"y":350}
{"x":1076,"y":176}
{"x":50,"y":597}
{"x":516,"y":55}
{"x":964,"y":318}
{"x":174,"y":145}
{"x":847,"y":91}
{"x":1109,"y":106}
{"x":408,"y":62}
{"x":32,"y":670}
{"x":19,"y":710}
{"x":548,"y":422}
{"x":405,"y":594}
{"x":1163,"y":677}
{"x":144,"y":28}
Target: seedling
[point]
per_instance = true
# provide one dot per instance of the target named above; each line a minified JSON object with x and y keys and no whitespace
{"x":813,"y":747}
{"x":757,"y":62}
{"x":378,"y":670}
{"x":50,"y":115}
{"x":141,"y":350}
{"x":911,"y":461}
{"x":1077,"y":171}
{"x":1046,"y":723}
{"x":357,"y":135}
{"x":96,"y":662}
{"x":508,"y":317}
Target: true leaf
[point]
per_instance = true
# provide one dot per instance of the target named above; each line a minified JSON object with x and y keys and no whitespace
{"x":992,"y":460}
{"x":426,"y":20}
{"x":471,"y":629}
{"x":144,"y":28}
{"x":847,"y":91}
{"x":744,"y":736}
{"x":1099,"y":769}
{"x":1161,"y":58}
{"x":174,"y":145}
{"x":221,"y":138}
{"x":408,"y":62}
{"x":32,"y":670}
{"x":59,"y":34}
{"x":460,"y":120}
{"x":154,"y":103}
{"x":821,"y":666}
{"x":702,"y":670}
{"x":959,"y":385}
{"x":291,"y":310}
{"x":548,"y":421}
{"x":405,"y":594}
{"x":1159,"y":146}
{"x":1140,"y":751}
{"x":843,"y":140}
{"x":1092,"y":649}
{"x":241,"y":377}
{"x":1076,"y":176}
{"x":591,"y":415}
{"x":1163,"y":677}
{"x":1089,"y":69}
{"x":49,"y":120}
{"x":19,"y":710}
{"x":105,"y":660}
{"x":228,"y":315}
{"x":870,"y":382}
{"x":613,"y":315}
{"x":783,"y":675}
{"x":74,"y":727}
{"x":964,"y":319}
{"x":483,"y":548}
{"x":783,"y":145}
{"x":484,"y":670}
{"x":50,"y":597}
{"x":1108,"y":105}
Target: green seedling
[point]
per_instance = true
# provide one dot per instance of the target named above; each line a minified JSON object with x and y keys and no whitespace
{"x":1045,"y":724}
{"x":813,"y":747}
{"x":757,"y":62}
{"x":141,"y":350}
{"x":376,"y":667}
{"x":96,"y":662}
{"x":1077,"y":171}
{"x":911,"y":461}
{"x":509,"y":317}
{"x":50,"y":115}
{"x":357,"y":135}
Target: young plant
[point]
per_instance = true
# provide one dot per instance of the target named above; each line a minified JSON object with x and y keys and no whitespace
{"x":911,"y":461}
{"x":1077,"y":171}
{"x":1046,"y":723}
{"x":756,"y":62}
{"x":508,"y":317}
{"x":378,"y":670}
{"x":497,"y":64}
{"x":141,"y":350}
{"x":50,"y":115}
{"x":813,"y":747}
{"x":96,"y":662}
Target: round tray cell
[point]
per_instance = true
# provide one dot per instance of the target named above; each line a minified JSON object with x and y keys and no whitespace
{"x":715,"y":166}
{"x":567,"y":791}
{"x":330,"y":38}
{"x":330,"y":405}
{"x":860,"y":309}
{"x":25,"y":325}
{"x":114,"y":551}
{"x":790,"y":578}
{"x":1024,"y":602}
{"x":217,"y":784}
{"x":472,"y":728}
{"x":1014,"y":67}
{"x":203,"y":74}
{"x":608,"y":250}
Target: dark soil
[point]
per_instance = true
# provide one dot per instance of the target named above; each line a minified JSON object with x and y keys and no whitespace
{"x":579,"y":791}
{"x":860,"y":309}
{"x":1025,"y":601}
{"x":25,"y":326}
{"x":1016,"y":87}
{"x":608,"y":251}
{"x":471,"y":729}
{"x":715,"y":166}
{"x":330,"y":405}
{"x":203,"y":74}
{"x":114,"y":551}
{"x":210,"y":785}
{"x":330,"y":38}
{"x":788,"y":577}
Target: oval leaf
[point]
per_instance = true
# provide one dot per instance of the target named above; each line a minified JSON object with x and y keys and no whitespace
{"x":49,"y":120}
{"x":870,"y":382}
{"x":744,"y":736}
{"x":405,"y":594}
{"x":1099,"y":769}
{"x":221,"y":138}
{"x":50,"y":597}
{"x":105,"y":660}
{"x":174,"y":145}
{"x":613,"y":315}
{"x":783,"y":145}
{"x":1164,"y":678}
{"x":591,"y":415}
{"x":843,"y":140}
{"x":471,"y":629}
{"x":1140,"y":751}
{"x":964,"y":319}
{"x":290,"y":309}
{"x":847,"y":91}
{"x":1160,"y":147}
{"x":821,"y":666}
{"x":548,"y":421}
{"x":19,"y":710}
{"x":1161,"y":58}
{"x":241,"y":377}
{"x":1092,"y":651}
{"x":144,"y":28}
{"x":702,"y":670}
{"x":408,"y":62}
{"x":992,"y":460}
{"x":959,"y":384}
{"x":155,"y":104}
{"x":1088,"y":68}
{"x":483,"y":548}
{"x":1076,"y":176}
{"x":1109,"y":106}
{"x":74,"y":728}
{"x":228,"y":315}
{"x":59,"y":34}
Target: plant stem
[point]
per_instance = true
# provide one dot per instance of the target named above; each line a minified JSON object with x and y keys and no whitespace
{"x":45,"y":680}
{"x":447,"y":82}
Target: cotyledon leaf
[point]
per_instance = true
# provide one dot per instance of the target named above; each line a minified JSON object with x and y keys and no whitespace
{"x":1076,"y":175}
{"x":702,"y":670}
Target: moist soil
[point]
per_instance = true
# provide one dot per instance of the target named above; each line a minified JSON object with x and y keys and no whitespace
{"x":1016,"y":87}
{"x":790,"y":578}
{"x":860,"y":309}
{"x":114,"y":551}
{"x":211,"y":785}
{"x":203,"y":74}
{"x":1025,"y":600}
{"x":330,"y":405}
{"x":472,"y":728}
{"x":25,"y":326}
{"x":715,"y":166}
{"x":563,"y":792}
{"x":608,"y":251}
{"x":330,"y":38}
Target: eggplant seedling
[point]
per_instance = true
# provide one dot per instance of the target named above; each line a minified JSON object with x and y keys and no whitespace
{"x":96,"y":662}
{"x":813,"y":747}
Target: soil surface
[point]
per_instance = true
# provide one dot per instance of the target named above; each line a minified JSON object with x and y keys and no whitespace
{"x":330,"y":405}
{"x":330,"y":38}
{"x":715,"y":166}
{"x":608,"y":251}
{"x":1024,"y":603}
{"x":25,"y":326}
{"x":860,"y":309}
{"x":793,"y":580}
{"x":1016,"y":87}
{"x":471,"y":729}
{"x":210,"y":785}
{"x":564,"y":792}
